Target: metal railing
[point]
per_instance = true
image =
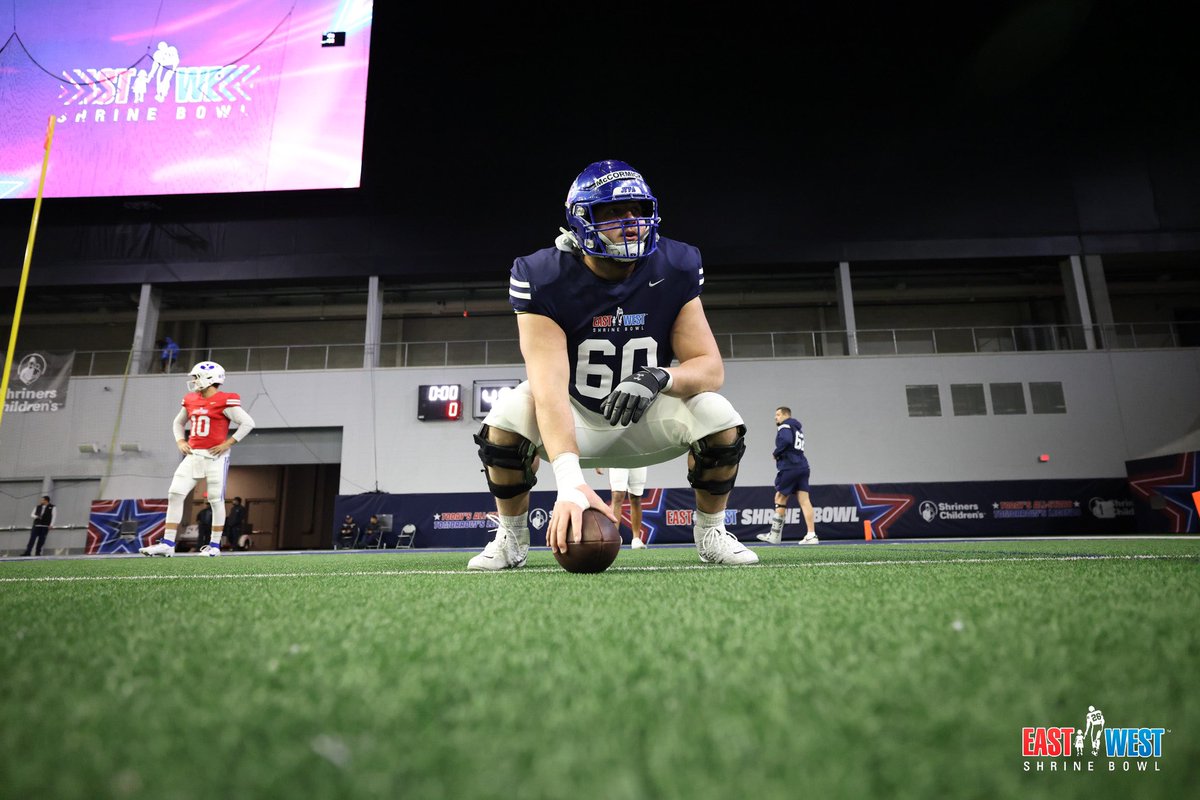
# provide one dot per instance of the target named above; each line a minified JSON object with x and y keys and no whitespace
{"x":733,"y":346}
{"x":953,"y":341}
{"x":284,"y":358}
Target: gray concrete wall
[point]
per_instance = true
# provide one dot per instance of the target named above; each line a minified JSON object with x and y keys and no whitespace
{"x":1120,"y":406}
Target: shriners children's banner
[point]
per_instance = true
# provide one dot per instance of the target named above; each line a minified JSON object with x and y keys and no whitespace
{"x":38,"y":382}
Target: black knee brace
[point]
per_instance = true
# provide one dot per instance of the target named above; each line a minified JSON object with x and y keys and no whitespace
{"x":708,"y":456}
{"x":517,"y":456}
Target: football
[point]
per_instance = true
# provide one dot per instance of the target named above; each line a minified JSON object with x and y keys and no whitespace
{"x":599,"y":548}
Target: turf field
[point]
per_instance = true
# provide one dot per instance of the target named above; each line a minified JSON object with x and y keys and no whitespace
{"x":885,"y":670}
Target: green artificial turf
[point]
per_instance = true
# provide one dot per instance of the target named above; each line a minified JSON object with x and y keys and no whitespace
{"x":887,"y":670}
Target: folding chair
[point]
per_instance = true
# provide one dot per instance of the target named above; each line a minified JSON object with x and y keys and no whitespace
{"x":385,"y":531}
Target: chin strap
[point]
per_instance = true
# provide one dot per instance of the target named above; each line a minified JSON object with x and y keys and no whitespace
{"x":567,"y":242}
{"x":623,"y":251}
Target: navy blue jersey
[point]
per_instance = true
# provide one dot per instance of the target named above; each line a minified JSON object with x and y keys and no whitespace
{"x":613,"y":328}
{"x":789,"y":446}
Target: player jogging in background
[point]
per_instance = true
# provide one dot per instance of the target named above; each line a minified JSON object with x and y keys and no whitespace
{"x":208,"y":412}
{"x":628,"y":484}
{"x":791,"y":477}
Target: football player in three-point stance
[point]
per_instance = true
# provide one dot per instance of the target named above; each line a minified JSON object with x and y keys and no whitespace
{"x":602,"y":316}
{"x":208,"y":412}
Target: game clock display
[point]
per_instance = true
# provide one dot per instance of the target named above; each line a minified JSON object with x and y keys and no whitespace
{"x":439,"y":401}
{"x":488,"y":392}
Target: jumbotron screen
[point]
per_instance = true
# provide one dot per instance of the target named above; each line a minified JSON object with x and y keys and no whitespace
{"x":159,"y":97}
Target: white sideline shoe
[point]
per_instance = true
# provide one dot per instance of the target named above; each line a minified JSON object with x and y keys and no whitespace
{"x":502,"y":552}
{"x":810,"y":539}
{"x":770,"y":538}
{"x":159,"y":549}
{"x":209,"y":550}
{"x":637,"y":544}
{"x":719,"y":546}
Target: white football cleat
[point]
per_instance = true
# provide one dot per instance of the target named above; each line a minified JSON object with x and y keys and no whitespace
{"x":637,"y":544}
{"x":719,"y":546}
{"x":209,"y":550}
{"x":159,"y":549}
{"x":502,"y":552}
{"x":811,"y":538}
{"x":770,"y":538}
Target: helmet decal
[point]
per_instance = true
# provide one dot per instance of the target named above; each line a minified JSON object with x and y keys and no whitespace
{"x":205,"y":374}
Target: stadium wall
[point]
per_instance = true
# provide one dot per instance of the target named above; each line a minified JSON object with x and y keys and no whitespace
{"x":1120,"y":406}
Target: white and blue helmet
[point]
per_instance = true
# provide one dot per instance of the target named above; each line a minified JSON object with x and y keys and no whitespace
{"x":205,"y":374}
{"x":612,"y":182}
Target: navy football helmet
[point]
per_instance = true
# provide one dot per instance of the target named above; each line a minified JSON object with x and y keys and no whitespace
{"x":612,"y":182}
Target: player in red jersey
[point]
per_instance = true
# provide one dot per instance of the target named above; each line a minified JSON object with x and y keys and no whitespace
{"x":208,"y":412}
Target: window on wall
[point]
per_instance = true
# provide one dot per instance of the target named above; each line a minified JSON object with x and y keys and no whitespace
{"x":924,"y":401}
{"x":968,"y":399}
{"x":1047,"y":398}
{"x":1008,"y":398}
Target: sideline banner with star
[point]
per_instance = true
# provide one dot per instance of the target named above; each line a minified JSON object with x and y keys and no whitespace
{"x":926,"y":510}
{"x":122,"y":526}
{"x":1164,"y":492}
{"x":895,"y":511}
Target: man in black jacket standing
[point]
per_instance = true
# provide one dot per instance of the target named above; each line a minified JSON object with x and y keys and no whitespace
{"x":43,"y":520}
{"x":234,"y":521}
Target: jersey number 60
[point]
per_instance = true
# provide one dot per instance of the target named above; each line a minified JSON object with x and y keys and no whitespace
{"x":597,"y":379}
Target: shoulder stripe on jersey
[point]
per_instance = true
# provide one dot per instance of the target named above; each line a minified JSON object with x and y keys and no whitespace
{"x":702,"y":276}
{"x":233,"y":401}
{"x":514,"y":287}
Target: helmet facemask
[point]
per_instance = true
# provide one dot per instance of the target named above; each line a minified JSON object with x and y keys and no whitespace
{"x":604,"y":183}
{"x":607,"y":238}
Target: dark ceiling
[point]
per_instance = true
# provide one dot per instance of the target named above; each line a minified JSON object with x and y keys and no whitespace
{"x":774,"y":124}
{"x":776,"y":136}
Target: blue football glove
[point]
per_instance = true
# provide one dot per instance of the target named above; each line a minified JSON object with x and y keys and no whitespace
{"x":634,"y":395}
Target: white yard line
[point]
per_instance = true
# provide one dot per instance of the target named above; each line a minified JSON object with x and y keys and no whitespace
{"x":400,"y":573}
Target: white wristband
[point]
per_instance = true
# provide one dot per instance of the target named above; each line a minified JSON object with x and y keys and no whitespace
{"x":572,"y":495}
{"x":567,"y":473}
{"x":568,"y":476}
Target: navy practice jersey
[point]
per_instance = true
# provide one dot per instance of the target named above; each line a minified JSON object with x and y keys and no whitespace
{"x":789,"y":446}
{"x":613,"y":328}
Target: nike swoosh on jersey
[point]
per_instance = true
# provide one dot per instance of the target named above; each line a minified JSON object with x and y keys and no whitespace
{"x":657,"y":282}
